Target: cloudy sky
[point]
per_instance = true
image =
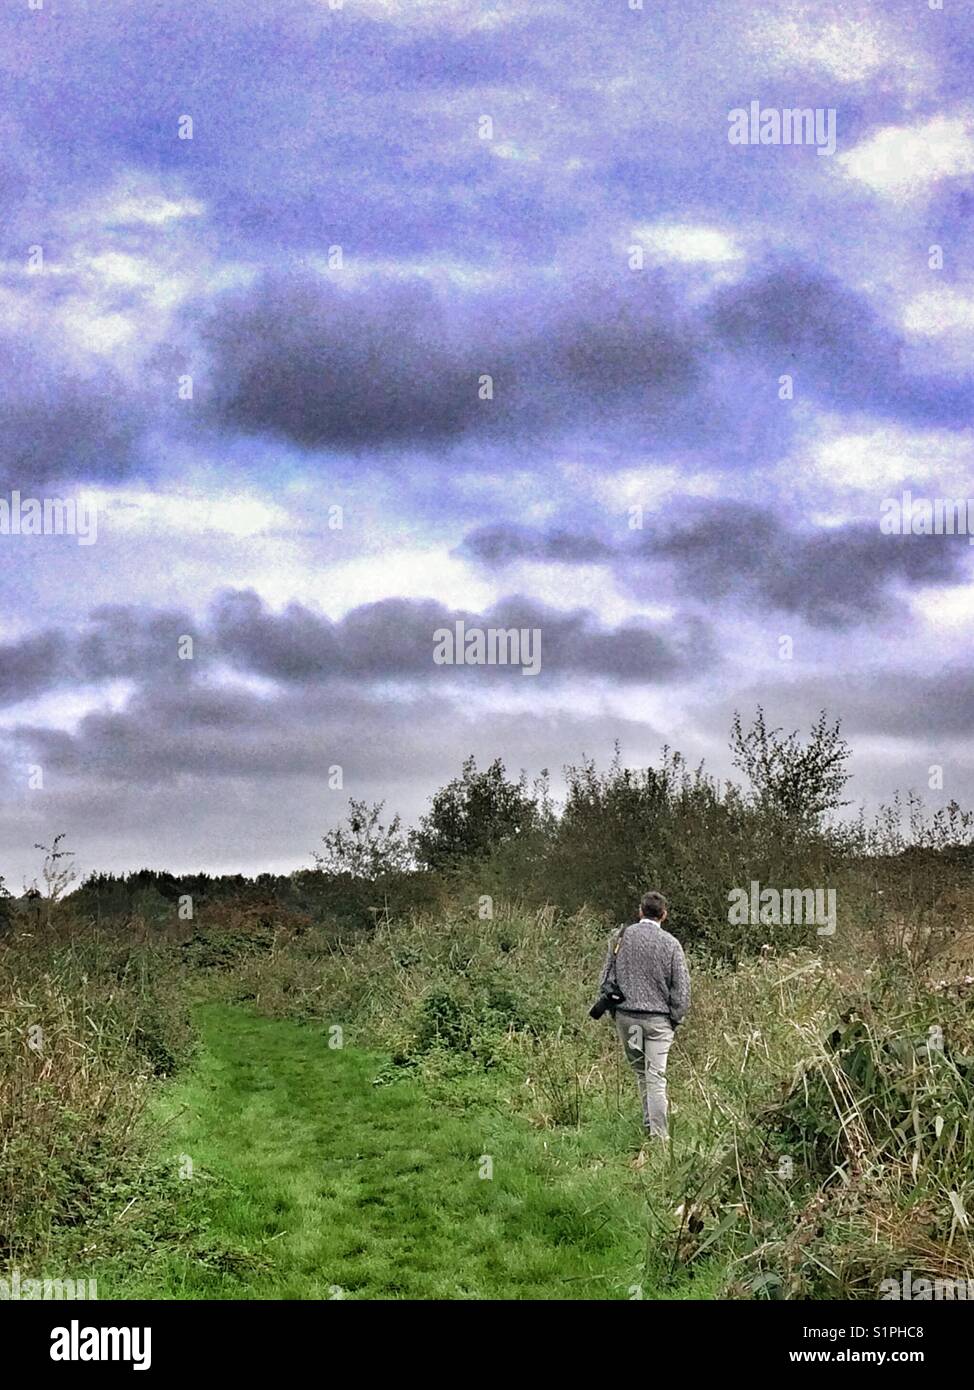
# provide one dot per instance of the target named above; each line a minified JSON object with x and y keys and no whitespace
{"x":469,"y":311}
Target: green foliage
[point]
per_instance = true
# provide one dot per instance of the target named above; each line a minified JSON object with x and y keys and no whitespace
{"x":865,"y":1164}
{"x":215,"y":949}
{"x":85,"y":1027}
{"x":57,"y":872}
{"x":474,"y":815}
{"x":801,"y":782}
{"x":624,"y":830}
{"x":469,"y":1016}
{"x":363,"y":847}
{"x":6,"y":908}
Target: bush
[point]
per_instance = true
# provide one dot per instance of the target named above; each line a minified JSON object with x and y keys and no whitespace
{"x":864,"y":1165}
{"x":84,"y":1029}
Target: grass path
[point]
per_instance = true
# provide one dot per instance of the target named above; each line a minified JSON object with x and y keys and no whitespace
{"x":318,"y":1184}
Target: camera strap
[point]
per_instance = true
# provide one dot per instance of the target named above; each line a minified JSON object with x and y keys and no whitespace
{"x":615,"y":954}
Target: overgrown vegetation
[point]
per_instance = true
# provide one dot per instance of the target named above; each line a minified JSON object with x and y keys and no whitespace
{"x":822,"y":1086}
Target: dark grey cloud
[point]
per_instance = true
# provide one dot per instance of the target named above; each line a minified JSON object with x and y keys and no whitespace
{"x":210,"y":778}
{"x":120,"y":641}
{"x":59,"y":420}
{"x":939,"y":703}
{"x":901,"y":702}
{"x":386,"y":640}
{"x":394,"y":639}
{"x":31,"y":664}
{"x":391,"y":640}
{"x":325,"y":368}
{"x":374,"y":366}
{"x":164,"y":735}
{"x":116,"y":642}
{"x":808,"y":324}
{"x":832,"y":577}
{"x":392,"y":362}
{"x":497,"y":544}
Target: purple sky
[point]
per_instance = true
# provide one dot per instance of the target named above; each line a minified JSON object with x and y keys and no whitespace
{"x":381,"y":204}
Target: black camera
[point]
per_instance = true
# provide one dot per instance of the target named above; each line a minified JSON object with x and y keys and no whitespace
{"x":608,"y":999}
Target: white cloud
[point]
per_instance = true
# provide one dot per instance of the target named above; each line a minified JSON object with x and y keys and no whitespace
{"x":849,"y":49}
{"x":394,"y":573}
{"x":888,"y":456}
{"x":951,"y":608}
{"x":582,"y":586}
{"x":648,"y":486}
{"x":451,"y":14}
{"x":125,"y":259}
{"x":65,"y":709}
{"x":153,"y":210}
{"x":938,"y":311}
{"x":905,"y":161}
{"x":687,"y":242}
{"x":237,"y":514}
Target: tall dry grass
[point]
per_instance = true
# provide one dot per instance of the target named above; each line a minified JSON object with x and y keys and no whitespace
{"x":88,"y":1022}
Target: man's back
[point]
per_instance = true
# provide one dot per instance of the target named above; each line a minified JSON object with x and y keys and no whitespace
{"x":652,"y":971}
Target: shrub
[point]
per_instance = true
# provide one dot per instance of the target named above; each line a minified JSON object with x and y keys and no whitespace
{"x":84,"y":1028}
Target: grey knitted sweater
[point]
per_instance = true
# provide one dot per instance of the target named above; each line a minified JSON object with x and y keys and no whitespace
{"x":652,"y":971}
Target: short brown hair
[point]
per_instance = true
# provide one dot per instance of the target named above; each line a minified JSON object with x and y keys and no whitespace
{"x":652,"y":905}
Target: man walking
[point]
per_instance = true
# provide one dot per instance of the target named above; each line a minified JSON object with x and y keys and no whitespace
{"x":649,"y":968}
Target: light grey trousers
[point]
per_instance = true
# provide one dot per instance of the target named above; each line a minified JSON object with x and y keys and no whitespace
{"x":647,"y":1039}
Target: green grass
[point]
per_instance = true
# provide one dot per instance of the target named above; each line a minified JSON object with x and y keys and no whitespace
{"x":310,"y":1182}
